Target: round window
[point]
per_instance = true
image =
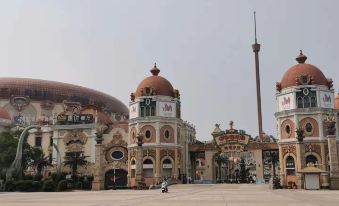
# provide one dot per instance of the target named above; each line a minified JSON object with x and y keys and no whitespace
{"x":308,"y":127}
{"x":117,"y":155}
{"x":167,"y":134}
{"x":288,"y":129}
{"x":148,"y":134}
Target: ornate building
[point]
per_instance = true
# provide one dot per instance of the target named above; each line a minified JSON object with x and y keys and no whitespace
{"x":305,"y":99}
{"x":81,"y":121}
{"x":155,"y":112}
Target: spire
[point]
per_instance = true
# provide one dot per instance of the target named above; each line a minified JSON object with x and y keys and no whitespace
{"x":155,"y":71}
{"x":301,"y":58}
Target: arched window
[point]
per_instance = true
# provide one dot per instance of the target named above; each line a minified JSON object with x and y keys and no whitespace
{"x":290,"y":166}
{"x":311,"y":159}
{"x":313,"y":101}
{"x":167,"y":167}
{"x":300,"y":102}
{"x":307,"y":102}
{"x":148,"y":168}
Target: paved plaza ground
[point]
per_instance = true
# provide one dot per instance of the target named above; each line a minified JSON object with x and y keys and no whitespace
{"x":196,"y":195}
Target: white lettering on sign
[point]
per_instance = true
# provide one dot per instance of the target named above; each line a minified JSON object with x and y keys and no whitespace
{"x":326,"y":99}
{"x":134,"y":110}
{"x":167,"y":109}
{"x":286,"y":102}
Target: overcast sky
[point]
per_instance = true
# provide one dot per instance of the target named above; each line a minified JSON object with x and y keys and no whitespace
{"x":203,"y":47}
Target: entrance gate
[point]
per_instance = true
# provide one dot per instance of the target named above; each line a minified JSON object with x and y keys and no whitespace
{"x":115,"y":178}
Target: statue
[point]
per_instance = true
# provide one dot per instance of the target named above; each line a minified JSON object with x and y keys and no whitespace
{"x":330,"y":124}
{"x":101,"y":129}
{"x":16,"y":166}
{"x":300,"y":134}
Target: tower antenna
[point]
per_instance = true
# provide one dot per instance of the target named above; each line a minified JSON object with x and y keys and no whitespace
{"x":255,"y":28}
{"x":256,"y":49}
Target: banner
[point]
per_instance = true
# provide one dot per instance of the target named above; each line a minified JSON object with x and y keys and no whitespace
{"x":134,"y":110}
{"x":166,"y":109}
{"x":286,"y":102}
{"x":326,"y":99}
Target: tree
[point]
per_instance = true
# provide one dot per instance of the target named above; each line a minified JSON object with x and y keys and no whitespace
{"x":38,"y":160}
{"x":8,"y":146}
{"x":74,"y":160}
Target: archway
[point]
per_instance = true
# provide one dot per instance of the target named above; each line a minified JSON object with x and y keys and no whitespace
{"x":115,"y":178}
{"x":167,"y":167}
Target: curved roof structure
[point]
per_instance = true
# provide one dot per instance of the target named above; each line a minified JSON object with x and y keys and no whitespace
{"x":44,"y":90}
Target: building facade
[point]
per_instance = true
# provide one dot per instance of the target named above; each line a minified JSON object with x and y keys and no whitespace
{"x":305,"y":99}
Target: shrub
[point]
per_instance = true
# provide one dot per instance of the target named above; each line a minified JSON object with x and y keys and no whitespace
{"x":78,"y":185}
{"x":37,"y":177}
{"x":10,"y":186}
{"x":36,"y":186}
{"x":49,"y":186}
{"x":86,"y":185}
{"x":24,"y":185}
{"x":62,"y":185}
{"x":58,"y":177}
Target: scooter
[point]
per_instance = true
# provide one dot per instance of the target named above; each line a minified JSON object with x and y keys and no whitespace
{"x":164,"y":187}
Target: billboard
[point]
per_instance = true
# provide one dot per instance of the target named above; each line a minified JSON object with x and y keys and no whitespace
{"x":166,"y":109}
{"x":134,"y":110}
{"x":286,"y":102}
{"x":326,"y":99}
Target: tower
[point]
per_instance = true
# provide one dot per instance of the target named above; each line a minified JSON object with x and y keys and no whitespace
{"x":304,"y":98}
{"x":155,"y":113}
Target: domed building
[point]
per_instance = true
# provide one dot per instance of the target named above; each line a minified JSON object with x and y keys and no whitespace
{"x":155,"y":113}
{"x":73,"y":120}
{"x":305,"y":98}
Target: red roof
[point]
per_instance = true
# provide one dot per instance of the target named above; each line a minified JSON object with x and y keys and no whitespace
{"x":43,"y":90}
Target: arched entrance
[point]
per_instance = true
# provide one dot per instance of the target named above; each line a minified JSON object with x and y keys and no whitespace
{"x":115,"y":178}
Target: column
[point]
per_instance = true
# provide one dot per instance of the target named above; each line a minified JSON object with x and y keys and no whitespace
{"x":300,"y":165}
{"x":175,"y":173}
{"x":157,"y":165}
{"x":334,"y":165}
{"x":98,"y":181}
{"x":324,"y":176}
{"x":282,"y":168}
{"x":139,"y":166}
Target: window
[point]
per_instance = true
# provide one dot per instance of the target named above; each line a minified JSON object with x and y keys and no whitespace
{"x":311,"y":159}
{"x":306,"y":98}
{"x":300,"y":102}
{"x":313,"y":101}
{"x":288,"y":129}
{"x":308,"y":127}
{"x":38,"y":141}
{"x":167,"y":134}
{"x":307,"y":102}
{"x":117,"y":155}
{"x":148,"y":134}
{"x":290,"y":165}
{"x":147,"y":108}
{"x":148,"y":168}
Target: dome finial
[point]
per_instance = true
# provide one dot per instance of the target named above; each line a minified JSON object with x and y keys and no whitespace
{"x":301,"y":58}
{"x":155,"y":71}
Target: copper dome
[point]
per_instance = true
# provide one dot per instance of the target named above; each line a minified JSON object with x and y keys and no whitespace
{"x":57,"y":92}
{"x":337,"y":102}
{"x":303,"y":73}
{"x":157,"y":85}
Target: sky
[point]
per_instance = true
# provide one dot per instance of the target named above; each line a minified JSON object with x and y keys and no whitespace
{"x":203,"y":47}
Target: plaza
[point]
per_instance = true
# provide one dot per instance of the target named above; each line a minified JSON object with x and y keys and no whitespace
{"x":194,"y":194}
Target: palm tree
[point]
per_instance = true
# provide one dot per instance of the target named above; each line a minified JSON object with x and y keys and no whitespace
{"x":74,"y":160}
{"x":39,"y":160}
